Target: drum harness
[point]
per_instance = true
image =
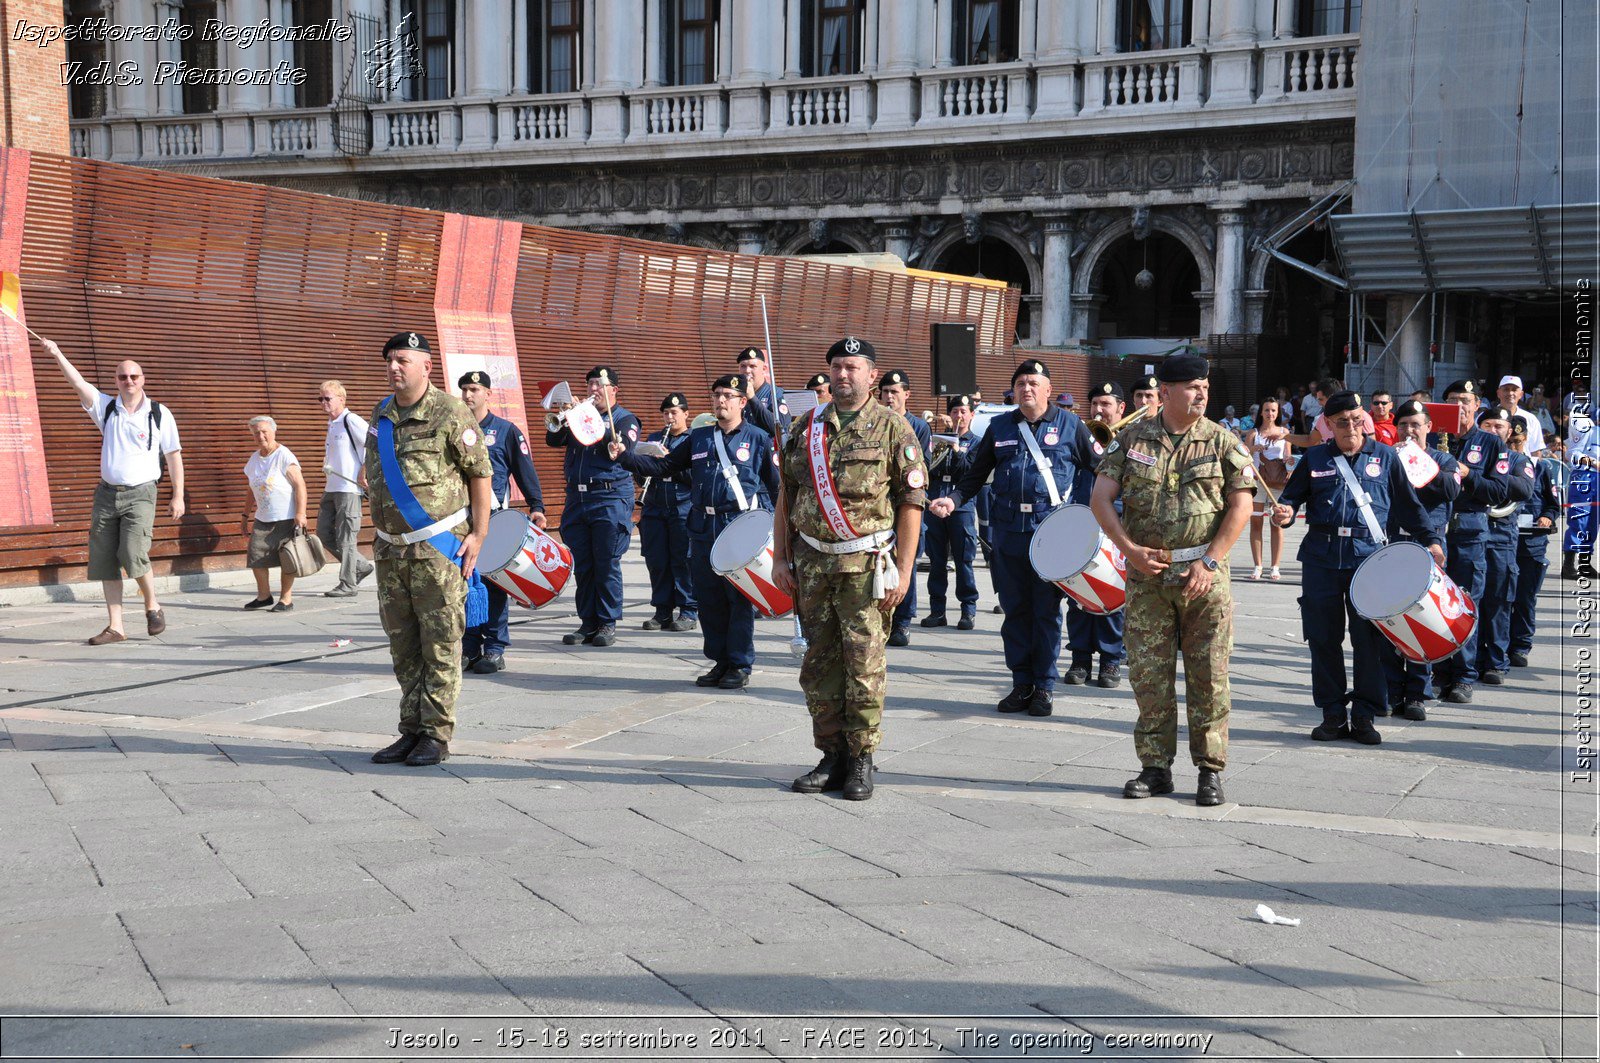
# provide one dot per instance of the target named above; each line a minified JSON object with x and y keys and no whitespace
{"x":729,"y":473}
{"x":1363,"y":500}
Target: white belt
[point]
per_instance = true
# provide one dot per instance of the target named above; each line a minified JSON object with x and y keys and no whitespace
{"x":1190,"y":553}
{"x":443,"y":524}
{"x":885,"y":576}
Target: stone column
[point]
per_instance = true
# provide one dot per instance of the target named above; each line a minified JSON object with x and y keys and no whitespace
{"x":793,"y":34}
{"x":1228,"y":288}
{"x":1065,"y":29}
{"x":1233,"y":56}
{"x":1200,"y":27}
{"x":618,"y":34}
{"x":896,"y":236}
{"x":898,"y":48}
{"x":1106,"y":29}
{"x":1283,"y":20}
{"x":869,"y":36}
{"x":586,"y":46}
{"x":752,"y":237}
{"x":944,"y":34}
{"x":1406,"y":367}
{"x":237,"y":104}
{"x":488,"y":74}
{"x":1027,"y":32}
{"x":653,"y":43}
{"x":1055,"y":325}
{"x":754,"y":32}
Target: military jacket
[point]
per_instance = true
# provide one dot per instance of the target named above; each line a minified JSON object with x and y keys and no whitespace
{"x":949,"y":472}
{"x":1336,"y":533}
{"x":1173,"y":491}
{"x":877,"y":468}
{"x":1503,"y":530}
{"x":510,"y":459}
{"x":1020,"y":499}
{"x":1545,"y":501}
{"x":667,"y":494}
{"x":924,"y":433}
{"x":1487,"y":460}
{"x":439,"y":447}
{"x":593,"y":466}
{"x":712,"y":501}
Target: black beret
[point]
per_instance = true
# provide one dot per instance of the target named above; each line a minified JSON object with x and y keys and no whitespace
{"x":1182,"y":368}
{"x":1410,"y":408}
{"x":1341,"y":402}
{"x":674,"y":401}
{"x":1464,"y":387}
{"x":414,"y":341}
{"x":1110,"y":387}
{"x":1146,"y":383}
{"x":851,"y":347}
{"x":477,"y":376}
{"x":1032,"y":365}
{"x":819,"y":380}
{"x":752,"y":352}
{"x":1519,"y":427}
{"x":953,"y":401}
{"x":603,"y":373}
{"x":732,"y":381}
{"x":893,"y":377}
{"x":1495,"y":413}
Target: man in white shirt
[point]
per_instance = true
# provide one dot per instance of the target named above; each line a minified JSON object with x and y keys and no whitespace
{"x":136,"y":434}
{"x":339,"y":515}
{"x":1510,"y":394}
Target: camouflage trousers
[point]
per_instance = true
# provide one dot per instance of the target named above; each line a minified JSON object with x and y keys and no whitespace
{"x":422,"y":603}
{"x":846,"y":668}
{"x":1159,"y":624}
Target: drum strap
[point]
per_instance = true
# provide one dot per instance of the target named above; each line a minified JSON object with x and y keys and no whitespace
{"x":1025,"y":430}
{"x":729,"y":473}
{"x":1363,"y":500}
{"x":442,"y":539}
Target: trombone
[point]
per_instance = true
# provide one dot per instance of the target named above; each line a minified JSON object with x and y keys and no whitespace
{"x":1104,"y":433}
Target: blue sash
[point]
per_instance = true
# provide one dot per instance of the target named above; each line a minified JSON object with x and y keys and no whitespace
{"x":416,"y":517}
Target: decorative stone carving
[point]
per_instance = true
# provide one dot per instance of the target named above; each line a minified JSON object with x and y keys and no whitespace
{"x":819,"y":232}
{"x":1199,"y":220}
{"x":928,"y":230}
{"x":1141,"y":222}
{"x":972,"y":227}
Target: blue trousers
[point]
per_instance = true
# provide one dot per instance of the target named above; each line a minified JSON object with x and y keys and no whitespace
{"x":1031,"y":630}
{"x":952,"y":538}
{"x":664,"y":539}
{"x":1532,"y":562}
{"x":598,"y":544}
{"x":1088,"y":635}
{"x":1324,"y":609}
{"x":727,"y":619}
{"x":1466,"y":565}
{"x":906,"y":611}
{"x":490,"y":639}
{"x":1499,"y":600}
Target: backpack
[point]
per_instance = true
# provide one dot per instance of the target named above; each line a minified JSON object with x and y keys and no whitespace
{"x":152,"y":426}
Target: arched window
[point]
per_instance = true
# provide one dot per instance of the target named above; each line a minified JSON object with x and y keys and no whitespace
{"x":833,"y":35}
{"x":1151,"y":25}
{"x":1319,"y":18}
{"x":985,"y":31}
{"x":555,"y":38}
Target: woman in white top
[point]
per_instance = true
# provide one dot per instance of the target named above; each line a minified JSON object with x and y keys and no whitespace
{"x":279,"y":495}
{"x":1268,"y":443}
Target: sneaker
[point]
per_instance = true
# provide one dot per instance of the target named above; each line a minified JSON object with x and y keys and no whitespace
{"x":604,"y":637}
{"x":1492,"y":679}
{"x":1110,"y":676}
{"x":656,"y":623}
{"x":1323,"y":732}
{"x":340,"y":592}
{"x":967,"y":622}
{"x":1414,"y":710}
{"x":900,"y":636}
{"x":683,"y":623}
{"x":935,"y":621}
{"x":489,"y":665}
{"x":366,"y":569}
{"x":1041,"y":704}
{"x":1018,"y":700}
{"x":107,"y":637}
{"x":578,"y":637}
{"x":1077,"y":675}
{"x":1459,"y":694}
{"x":1519,"y":659}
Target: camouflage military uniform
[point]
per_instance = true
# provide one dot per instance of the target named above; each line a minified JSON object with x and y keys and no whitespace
{"x":877,"y":468}
{"x":421,"y":595}
{"x":1173,"y":494}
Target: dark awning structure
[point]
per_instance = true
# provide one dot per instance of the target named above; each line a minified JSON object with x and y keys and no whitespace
{"x":1496,"y":249}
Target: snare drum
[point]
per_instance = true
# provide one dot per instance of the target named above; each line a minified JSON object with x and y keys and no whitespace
{"x":742,"y":554}
{"x":1421,"y":610}
{"x":523,"y":561}
{"x":1070,"y":550}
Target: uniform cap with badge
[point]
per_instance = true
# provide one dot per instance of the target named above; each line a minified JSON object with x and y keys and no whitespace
{"x":893,"y":377}
{"x":853,"y":347}
{"x":1030,"y":367}
{"x":477,"y":376}
{"x":733,"y":382}
{"x":674,"y":401}
{"x":603,"y":373}
{"x":1182,"y":368}
{"x":408,"y":341}
{"x":752,"y":354}
{"x":818,"y":380}
{"x":955,"y":401}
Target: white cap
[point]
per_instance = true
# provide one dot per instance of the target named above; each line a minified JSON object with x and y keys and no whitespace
{"x":1508,"y":379}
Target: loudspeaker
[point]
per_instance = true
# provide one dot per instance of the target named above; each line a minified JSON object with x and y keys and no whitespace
{"x":955,"y":359}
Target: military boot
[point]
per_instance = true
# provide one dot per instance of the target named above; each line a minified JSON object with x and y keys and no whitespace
{"x":1150,"y":782}
{"x":858,"y":784}
{"x":396,"y":751}
{"x":829,"y":774}
{"x":428,"y":750}
{"x":1110,"y":674}
{"x":1209,"y":789}
{"x":1078,"y":674}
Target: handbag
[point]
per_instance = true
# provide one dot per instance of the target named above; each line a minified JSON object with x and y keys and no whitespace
{"x":303,"y":554}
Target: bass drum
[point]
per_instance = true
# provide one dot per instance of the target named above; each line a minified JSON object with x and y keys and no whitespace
{"x":1421,"y":610}
{"x":1070,"y":550}
{"x":742,"y":555}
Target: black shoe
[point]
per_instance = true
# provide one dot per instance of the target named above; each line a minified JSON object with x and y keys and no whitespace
{"x":282,"y":607}
{"x":1519,"y":659}
{"x":489,"y":665}
{"x":935,"y":621}
{"x":259,"y":603}
{"x":1042,"y":703}
{"x":1381,"y":710}
{"x":397,"y":751}
{"x":604,"y":637}
{"x":1110,"y":675}
{"x":1323,"y":732}
{"x":713,"y":677}
{"x":1457,"y":695}
{"x":1367,"y":736}
{"x":656,"y":623}
{"x":827,"y":775}
{"x":469,"y":663}
{"x":429,"y":750}
{"x":900,"y":636}
{"x":683,"y":623}
{"x":1017,"y":700}
{"x":578,"y":637}
{"x":1208,"y":791}
{"x":734,"y":679}
{"x":1492,"y":679}
{"x":1150,"y":782}
{"x":966,"y":623}
{"x":858,"y":783}
{"x":1077,"y":675}
{"x":1414,"y":710}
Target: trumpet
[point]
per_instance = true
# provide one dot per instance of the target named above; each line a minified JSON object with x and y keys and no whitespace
{"x":1104,"y":433}
{"x":555,"y":418}
{"x":942,"y":447}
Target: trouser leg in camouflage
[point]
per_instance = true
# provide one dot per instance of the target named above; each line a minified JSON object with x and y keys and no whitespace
{"x":1160,"y":624}
{"x":845,"y":670}
{"x":422,"y":603}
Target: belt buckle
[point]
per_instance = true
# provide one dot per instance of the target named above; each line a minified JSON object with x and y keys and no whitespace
{"x":711,"y":510}
{"x":1344,"y":533}
{"x":583,"y":488}
{"x":946,"y":479}
{"x":1025,"y":507}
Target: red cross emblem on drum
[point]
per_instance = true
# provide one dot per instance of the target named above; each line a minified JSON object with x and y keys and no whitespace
{"x":546,"y":555}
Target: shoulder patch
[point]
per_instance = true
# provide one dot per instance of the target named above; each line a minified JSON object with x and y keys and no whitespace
{"x":911,"y":452}
{"x":915,"y":479}
{"x":469,"y":437}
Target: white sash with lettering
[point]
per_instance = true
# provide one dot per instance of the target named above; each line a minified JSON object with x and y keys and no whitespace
{"x":822,"y":478}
